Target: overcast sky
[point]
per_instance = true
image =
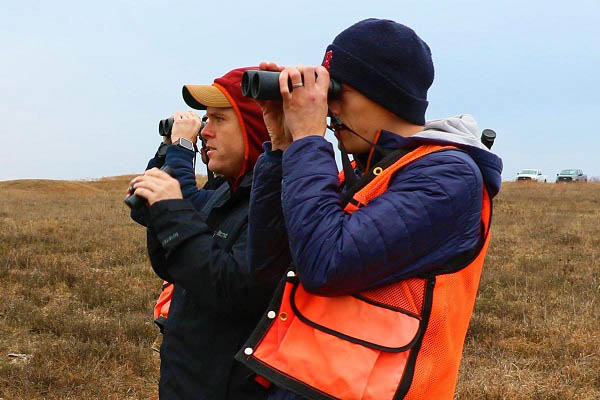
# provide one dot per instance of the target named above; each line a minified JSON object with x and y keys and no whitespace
{"x":84,"y":84}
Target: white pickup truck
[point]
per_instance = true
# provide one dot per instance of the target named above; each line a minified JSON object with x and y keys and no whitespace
{"x":531,"y":175}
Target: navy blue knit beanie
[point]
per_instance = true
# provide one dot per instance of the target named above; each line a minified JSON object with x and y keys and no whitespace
{"x":385,"y":61}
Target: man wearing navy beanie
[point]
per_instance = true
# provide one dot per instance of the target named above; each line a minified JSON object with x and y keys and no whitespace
{"x":387,"y":62}
{"x":386,"y":256}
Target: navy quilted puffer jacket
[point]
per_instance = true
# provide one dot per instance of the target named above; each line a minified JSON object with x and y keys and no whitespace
{"x":430,"y":213}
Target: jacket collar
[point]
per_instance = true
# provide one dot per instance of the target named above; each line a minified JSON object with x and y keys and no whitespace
{"x":226,"y":193}
{"x":387,"y":141}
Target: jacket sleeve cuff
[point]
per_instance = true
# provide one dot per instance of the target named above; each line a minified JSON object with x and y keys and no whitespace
{"x":270,"y":155}
{"x":182,"y":162}
{"x":309,"y":156}
{"x":156,"y":162}
{"x":180,"y":153}
{"x":173,"y":222}
{"x":267,"y":170}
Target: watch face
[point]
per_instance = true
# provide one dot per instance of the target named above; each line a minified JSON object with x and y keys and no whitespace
{"x":186,"y":144}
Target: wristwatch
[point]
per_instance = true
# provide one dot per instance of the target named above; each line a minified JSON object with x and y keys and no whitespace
{"x":186,"y":144}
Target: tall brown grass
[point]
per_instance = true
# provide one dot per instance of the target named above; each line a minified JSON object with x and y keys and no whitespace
{"x":535,"y":333}
{"x":77,"y":296}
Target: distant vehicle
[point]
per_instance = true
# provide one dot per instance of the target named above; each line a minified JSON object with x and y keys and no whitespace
{"x":571,"y":175}
{"x":531,"y":175}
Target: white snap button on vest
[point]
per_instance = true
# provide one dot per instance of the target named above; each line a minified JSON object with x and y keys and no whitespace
{"x":271,"y":314}
{"x":248,"y":351}
{"x":291,"y":274}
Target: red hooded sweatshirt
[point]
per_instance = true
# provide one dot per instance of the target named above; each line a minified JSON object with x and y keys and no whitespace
{"x":249,"y":116}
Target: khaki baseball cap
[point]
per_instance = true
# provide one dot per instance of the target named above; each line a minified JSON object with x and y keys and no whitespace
{"x":201,"y":96}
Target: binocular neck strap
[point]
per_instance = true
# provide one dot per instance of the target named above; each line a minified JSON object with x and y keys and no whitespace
{"x":210,"y":184}
{"x":350,"y":177}
{"x":210,"y":175}
{"x":337,"y":125}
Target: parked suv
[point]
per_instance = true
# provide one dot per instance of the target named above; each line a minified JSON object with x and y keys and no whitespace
{"x":571,"y":175}
{"x":531,"y":175}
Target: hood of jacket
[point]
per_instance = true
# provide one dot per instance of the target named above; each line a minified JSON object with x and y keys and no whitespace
{"x":462,"y":132}
{"x":249,"y":116}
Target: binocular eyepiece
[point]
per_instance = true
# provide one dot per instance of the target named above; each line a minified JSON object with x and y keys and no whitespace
{"x":134,"y":201}
{"x":264,"y":85}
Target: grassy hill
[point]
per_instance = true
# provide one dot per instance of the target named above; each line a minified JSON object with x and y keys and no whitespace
{"x":78,"y":294}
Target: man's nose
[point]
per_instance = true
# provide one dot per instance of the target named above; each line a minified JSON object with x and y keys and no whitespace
{"x":207,"y":131}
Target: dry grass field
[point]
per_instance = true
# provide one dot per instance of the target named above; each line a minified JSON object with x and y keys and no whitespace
{"x":77,"y":296}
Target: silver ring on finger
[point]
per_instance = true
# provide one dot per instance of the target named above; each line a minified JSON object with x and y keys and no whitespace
{"x":297,"y":85}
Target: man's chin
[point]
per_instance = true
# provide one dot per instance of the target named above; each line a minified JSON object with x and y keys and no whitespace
{"x":353,"y":147}
{"x":214,"y":167}
{"x":349,"y":145}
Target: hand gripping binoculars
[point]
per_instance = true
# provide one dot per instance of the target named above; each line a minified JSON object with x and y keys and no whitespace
{"x":134,"y":201}
{"x":165,"y":126}
{"x":264,"y":85}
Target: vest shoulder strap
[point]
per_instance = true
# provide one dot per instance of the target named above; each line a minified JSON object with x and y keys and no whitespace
{"x":375,"y":181}
{"x":370,"y":175}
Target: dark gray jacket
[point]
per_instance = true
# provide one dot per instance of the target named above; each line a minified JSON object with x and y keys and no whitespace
{"x":200,"y":246}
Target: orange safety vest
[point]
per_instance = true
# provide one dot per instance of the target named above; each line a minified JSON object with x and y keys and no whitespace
{"x":401,"y":341}
{"x":161,"y":309}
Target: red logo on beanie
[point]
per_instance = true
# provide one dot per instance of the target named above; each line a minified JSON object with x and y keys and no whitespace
{"x":327,"y":59}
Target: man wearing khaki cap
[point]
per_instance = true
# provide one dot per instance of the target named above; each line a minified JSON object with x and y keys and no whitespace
{"x":197,"y":240}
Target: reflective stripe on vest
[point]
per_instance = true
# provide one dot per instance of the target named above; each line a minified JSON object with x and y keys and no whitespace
{"x":401,"y":341}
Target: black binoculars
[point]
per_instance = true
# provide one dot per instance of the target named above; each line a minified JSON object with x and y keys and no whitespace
{"x":487,"y":138}
{"x":134,"y":201}
{"x":165,"y":126}
{"x":264,"y":85}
